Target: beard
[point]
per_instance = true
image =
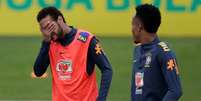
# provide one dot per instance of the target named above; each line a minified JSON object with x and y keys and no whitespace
{"x":136,"y":42}
{"x":55,"y":36}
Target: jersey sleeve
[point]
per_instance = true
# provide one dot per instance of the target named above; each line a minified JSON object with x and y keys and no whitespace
{"x":98,"y":57}
{"x":42,"y":61}
{"x":169,"y":67}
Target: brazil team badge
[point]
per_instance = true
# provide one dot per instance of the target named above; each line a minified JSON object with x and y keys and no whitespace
{"x":64,"y":69}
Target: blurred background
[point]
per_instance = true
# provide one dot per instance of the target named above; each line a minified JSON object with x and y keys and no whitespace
{"x":110,"y":21}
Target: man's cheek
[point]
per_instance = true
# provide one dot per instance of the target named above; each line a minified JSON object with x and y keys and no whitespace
{"x":133,"y":30}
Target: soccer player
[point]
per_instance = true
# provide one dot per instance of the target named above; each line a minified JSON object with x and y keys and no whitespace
{"x":155,"y":71}
{"x":72,"y":54}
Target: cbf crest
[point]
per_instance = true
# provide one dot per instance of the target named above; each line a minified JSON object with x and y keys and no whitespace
{"x":83,"y":36}
{"x":64,"y":69}
{"x":148,"y":60}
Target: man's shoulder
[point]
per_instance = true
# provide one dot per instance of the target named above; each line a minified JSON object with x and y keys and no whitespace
{"x":84,"y":35}
{"x":164,"y":49}
{"x":163,"y":46}
{"x":83,"y":31}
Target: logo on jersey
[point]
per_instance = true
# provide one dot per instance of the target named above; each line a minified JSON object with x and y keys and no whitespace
{"x":164,"y":46}
{"x":64,"y":69}
{"x":171,"y":64}
{"x":139,"y":82}
{"x":83,"y":36}
{"x":148,"y":60}
{"x":98,"y":49}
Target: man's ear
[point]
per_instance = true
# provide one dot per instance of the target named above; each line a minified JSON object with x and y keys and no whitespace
{"x":60,"y":20}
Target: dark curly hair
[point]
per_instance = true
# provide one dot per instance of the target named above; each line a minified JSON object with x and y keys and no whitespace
{"x":150,"y":17}
{"x":51,"y":11}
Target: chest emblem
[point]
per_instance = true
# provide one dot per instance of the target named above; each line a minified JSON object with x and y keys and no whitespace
{"x":148,"y":60}
{"x":83,"y":36}
{"x":64,"y":69}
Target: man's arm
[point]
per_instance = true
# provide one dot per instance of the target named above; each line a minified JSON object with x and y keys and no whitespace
{"x":170,"y":71}
{"x":97,"y":56}
{"x":42,"y":61}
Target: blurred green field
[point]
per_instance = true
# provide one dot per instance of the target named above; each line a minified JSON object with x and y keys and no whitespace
{"x":17,"y":55}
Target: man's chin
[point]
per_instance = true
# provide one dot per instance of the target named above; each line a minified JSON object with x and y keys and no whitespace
{"x":54,"y":36}
{"x":136,"y":42}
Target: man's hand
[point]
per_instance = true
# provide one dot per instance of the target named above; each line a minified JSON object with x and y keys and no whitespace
{"x":47,"y":30}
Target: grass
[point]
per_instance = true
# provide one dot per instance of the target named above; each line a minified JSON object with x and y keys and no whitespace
{"x":17,"y":55}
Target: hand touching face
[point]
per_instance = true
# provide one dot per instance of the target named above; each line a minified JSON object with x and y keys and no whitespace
{"x":49,"y":28}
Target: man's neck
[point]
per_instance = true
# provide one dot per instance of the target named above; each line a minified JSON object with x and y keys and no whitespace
{"x":67,"y":30}
{"x":148,"y":38}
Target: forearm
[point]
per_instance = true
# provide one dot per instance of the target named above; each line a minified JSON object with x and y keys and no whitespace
{"x":98,"y":57}
{"x":42,"y":60}
{"x":173,"y":95}
{"x":106,"y":79}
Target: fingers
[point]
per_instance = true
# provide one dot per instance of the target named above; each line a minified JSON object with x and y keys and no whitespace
{"x":45,"y":25}
{"x":51,"y":25}
{"x":52,"y":28}
{"x":48,"y":30}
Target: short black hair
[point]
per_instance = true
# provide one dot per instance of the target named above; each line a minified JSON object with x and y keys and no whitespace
{"x":150,"y":17}
{"x":51,"y":11}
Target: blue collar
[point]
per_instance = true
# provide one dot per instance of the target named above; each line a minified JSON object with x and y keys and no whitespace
{"x":68,"y":38}
{"x":149,"y":45}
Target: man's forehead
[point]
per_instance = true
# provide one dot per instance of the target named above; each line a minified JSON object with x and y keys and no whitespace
{"x":45,"y":20}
